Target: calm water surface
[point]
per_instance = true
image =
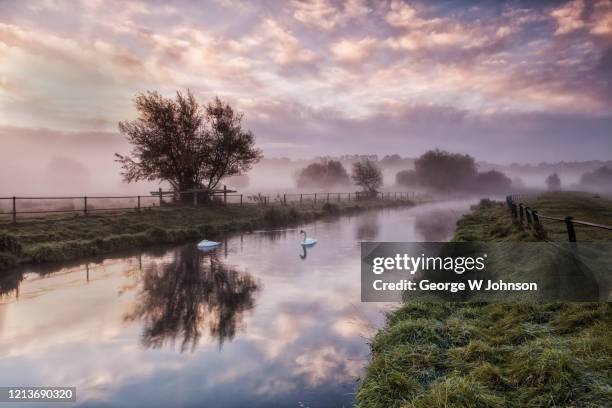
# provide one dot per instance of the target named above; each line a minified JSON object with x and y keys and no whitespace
{"x":258,"y":322}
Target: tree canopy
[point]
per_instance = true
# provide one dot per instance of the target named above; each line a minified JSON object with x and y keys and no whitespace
{"x":443,"y":170}
{"x":326,"y":174}
{"x":553,"y":182}
{"x":187,"y":144}
{"x":367,"y":175}
{"x":601,"y":177}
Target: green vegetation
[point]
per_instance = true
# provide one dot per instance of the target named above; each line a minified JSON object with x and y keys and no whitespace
{"x":59,"y":239}
{"x":477,"y":354}
{"x":491,"y":355}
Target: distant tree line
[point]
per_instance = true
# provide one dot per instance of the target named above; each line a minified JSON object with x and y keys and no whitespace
{"x":443,"y":171}
{"x":331,"y":173}
{"x":599,"y":178}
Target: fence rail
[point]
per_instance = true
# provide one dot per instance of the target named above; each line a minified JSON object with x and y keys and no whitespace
{"x":525,"y":215}
{"x":12,"y":207}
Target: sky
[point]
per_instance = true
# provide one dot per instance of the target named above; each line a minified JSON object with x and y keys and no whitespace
{"x":517,"y":81}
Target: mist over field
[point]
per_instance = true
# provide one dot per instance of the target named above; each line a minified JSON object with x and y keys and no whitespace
{"x":43,"y":162}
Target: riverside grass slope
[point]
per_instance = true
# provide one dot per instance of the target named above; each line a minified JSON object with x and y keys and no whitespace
{"x":71,"y":237}
{"x":497,"y":355}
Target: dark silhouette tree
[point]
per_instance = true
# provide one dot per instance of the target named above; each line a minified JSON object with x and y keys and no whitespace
{"x":492,"y":181}
{"x":553,"y":182}
{"x":442,"y":170}
{"x":184,"y":143}
{"x":406,"y":178}
{"x":367,"y":175}
{"x":601,"y":177}
{"x":325,"y":174}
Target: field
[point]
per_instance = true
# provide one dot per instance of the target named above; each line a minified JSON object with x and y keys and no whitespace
{"x":494,"y":355}
{"x":70,"y":237}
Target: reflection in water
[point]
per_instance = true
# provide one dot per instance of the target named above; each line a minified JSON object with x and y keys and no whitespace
{"x":368,"y":227}
{"x":304,"y":253}
{"x":303,"y":343}
{"x":195,"y":290}
{"x":10,"y":283}
{"x":436,"y":225}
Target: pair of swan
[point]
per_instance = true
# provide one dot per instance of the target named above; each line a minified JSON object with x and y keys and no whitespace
{"x":206,"y":245}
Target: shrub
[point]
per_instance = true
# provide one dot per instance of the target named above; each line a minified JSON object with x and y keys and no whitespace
{"x":274,"y":216}
{"x":7,"y":260}
{"x":331,"y":208}
{"x":9,"y":243}
{"x":157,"y":234}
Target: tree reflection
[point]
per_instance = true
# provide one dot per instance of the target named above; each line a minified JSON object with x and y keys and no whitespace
{"x":9,"y":283}
{"x":179,"y":300}
{"x":368,"y":227}
{"x":436,"y":226}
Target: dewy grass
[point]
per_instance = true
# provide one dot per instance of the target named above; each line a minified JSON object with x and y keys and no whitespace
{"x":497,"y":355}
{"x":507,"y":355}
{"x":60,"y":239}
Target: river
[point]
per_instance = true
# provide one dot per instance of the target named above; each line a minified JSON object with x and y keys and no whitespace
{"x":257,"y":322}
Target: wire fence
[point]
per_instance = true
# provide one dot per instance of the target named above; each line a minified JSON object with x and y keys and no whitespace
{"x":531,"y":218}
{"x":17,"y":207}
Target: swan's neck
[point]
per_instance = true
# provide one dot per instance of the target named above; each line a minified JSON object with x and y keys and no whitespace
{"x":304,"y":232}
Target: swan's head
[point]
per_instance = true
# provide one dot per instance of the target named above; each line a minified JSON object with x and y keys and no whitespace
{"x":302,"y":232}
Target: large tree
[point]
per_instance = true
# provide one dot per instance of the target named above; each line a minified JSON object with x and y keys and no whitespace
{"x":184,"y":143}
{"x":367,"y":175}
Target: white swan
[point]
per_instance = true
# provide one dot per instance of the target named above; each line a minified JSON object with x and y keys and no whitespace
{"x":206,"y":245}
{"x":307,"y":241}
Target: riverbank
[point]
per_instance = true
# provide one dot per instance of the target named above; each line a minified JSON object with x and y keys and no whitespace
{"x":490,"y":355}
{"x":52,"y":239}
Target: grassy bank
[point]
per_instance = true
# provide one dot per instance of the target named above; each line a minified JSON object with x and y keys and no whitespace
{"x":497,"y":355}
{"x":52,"y":239}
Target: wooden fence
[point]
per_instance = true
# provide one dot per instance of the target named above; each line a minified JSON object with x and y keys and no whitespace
{"x":531,"y":218}
{"x":12,"y":207}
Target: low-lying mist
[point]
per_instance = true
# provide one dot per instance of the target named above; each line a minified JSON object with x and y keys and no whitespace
{"x":47,"y":163}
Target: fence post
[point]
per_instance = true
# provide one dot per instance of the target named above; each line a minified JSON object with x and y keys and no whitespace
{"x":160,"y":197}
{"x":241,"y":200}
{"x":338,"y":197}
{"x":315,"y":198}
{"x":224,"y":194}
{"x":285,"y":199}
{"x":85,"y":205}
{"x":300,"y":199}
{"x":328,"y":197}
{"x":571,"y":232}
{"x":537,"y":225}
{"x":138,"y":203}
{"x":14,"y":210}
{"x":349,"y":197}
{"x":528,"y":215}
{"x":536,"y":219}
{"x":195,"y":198}
{"x":268,"y":199}
{"x":521,"y":213}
